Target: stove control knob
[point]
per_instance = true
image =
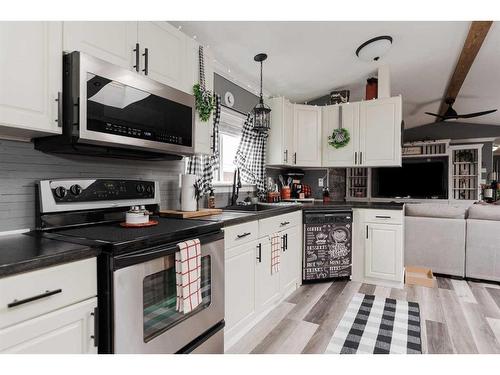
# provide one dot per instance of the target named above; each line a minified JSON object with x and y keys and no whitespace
{"x":150,"y":189}
{"x":60,"y":192}
{"x":140,"y":188}
{"x":75,"y":189}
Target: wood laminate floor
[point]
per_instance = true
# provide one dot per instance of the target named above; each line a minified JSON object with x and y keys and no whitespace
{"x":457,"y":317}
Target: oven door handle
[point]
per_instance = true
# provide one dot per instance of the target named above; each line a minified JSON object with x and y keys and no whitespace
{"x":125,"y":260}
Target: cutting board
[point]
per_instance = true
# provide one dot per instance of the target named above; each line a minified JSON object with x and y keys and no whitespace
{"x":190,"y":214}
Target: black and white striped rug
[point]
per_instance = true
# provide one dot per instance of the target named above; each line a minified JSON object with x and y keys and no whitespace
{"x":373,"y":325}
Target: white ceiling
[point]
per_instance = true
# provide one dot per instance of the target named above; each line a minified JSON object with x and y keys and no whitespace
{"x":309,"y":59}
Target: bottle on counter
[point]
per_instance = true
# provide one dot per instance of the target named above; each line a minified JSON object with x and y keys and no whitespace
{"x":211,"y":199}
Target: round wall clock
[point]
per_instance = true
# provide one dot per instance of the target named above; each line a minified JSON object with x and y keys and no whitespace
{"x":229,"y":98}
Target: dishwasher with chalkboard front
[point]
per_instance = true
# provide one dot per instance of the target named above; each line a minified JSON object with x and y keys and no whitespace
{"x":327,"y":244}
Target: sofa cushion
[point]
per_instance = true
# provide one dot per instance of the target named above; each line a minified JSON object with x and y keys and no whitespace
{"x":435,"y":210}
{"x":484,"y":212}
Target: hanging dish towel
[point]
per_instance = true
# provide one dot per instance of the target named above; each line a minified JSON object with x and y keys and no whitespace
{"x":188,"y":275}
{"x":275,"y":252}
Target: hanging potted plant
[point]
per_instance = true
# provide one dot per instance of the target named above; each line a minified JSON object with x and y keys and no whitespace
{"x":204,"y":99}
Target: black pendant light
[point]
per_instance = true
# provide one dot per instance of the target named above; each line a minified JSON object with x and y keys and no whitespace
{"x":261,"y":112}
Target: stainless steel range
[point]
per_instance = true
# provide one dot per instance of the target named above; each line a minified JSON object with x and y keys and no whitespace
{"x":136,"y":266}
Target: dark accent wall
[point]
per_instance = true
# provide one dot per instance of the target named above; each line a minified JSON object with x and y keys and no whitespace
{"x":244,"y":100}
{"x":21,"y":166}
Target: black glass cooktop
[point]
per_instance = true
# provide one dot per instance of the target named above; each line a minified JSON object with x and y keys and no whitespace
{"x":167,"y":230}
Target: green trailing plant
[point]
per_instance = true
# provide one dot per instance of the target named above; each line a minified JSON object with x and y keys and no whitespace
{"x":339,"y":138}
{"x":204,"y":101}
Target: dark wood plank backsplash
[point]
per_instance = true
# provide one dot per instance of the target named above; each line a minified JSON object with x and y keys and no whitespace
{"x":21,"y":166}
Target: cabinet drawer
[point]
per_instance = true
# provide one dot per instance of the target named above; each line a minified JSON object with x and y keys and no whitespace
{"x":32,"y":294}
{"x":278,"y":223}
{"x":242,"y":233}
{"x":384,"y":216}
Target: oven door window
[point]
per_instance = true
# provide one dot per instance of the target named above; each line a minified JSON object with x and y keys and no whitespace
{"x":159,"y":296}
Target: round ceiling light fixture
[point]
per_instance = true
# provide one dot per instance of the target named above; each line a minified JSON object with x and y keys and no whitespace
{"x":375,"y":48}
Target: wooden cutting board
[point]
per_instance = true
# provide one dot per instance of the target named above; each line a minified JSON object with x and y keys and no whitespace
{"x":190,"y":214}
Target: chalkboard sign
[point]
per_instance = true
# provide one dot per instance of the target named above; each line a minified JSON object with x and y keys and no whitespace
{"x":327,"y":251}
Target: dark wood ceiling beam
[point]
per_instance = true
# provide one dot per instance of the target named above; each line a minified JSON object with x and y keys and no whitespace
{"x":475,"y":38}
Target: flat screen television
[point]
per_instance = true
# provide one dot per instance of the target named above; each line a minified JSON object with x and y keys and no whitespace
{"x":417,"y":178}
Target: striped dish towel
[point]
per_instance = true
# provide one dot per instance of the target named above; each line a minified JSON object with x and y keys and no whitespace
{"x":275,"y":252}
{"x":188,"y":275}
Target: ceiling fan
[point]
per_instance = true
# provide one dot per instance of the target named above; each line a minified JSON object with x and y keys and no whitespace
{"x":451,"y":114}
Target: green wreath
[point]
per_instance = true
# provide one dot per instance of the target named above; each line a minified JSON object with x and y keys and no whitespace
{"x":204,"y":101}
{"x":339,"y":138}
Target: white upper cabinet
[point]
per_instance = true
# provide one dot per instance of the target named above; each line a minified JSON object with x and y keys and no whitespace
{"x":166,"y":54}
{"x":113,"y":41}
{"x":280,"y":138}
{"x":30,"y":78}
{"x":344,"y":116}
{"x":380,"y":132}
{"x":307,"y":136}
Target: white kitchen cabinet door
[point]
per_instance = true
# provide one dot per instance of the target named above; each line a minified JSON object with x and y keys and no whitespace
{"x":167,"y":54}
{"x":280,"y":149}
{"x":69,"y":330}
{"x":112,"y":41}
{"x":290,"y":260}
{"x":267,"y":284}
{"x":346,"y":115}
{"x":30,"y":78}
{"x":307,"y":136}
{"x":239,"y":299}
{"x":384,"y":251}
{"x":380,"y":132}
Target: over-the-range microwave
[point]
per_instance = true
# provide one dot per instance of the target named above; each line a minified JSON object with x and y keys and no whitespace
{"x":111,"y":111}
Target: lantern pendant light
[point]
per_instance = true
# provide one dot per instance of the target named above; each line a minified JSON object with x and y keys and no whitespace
{"x":261,"y":112}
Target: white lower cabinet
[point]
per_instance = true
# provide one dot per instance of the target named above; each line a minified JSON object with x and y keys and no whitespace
{"x":51,"y":310}
{"x":66,"y":331}
{"x":240,"y":284}
{"x":378,"y":247}
{"x":383,"y":253}
{"x":251,"y":289}
{"x":267,"y":284}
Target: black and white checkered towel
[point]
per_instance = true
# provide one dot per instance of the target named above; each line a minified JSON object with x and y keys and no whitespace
{"x":373,"y":325}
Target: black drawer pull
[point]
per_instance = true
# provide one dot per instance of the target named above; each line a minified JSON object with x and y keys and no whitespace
{"x":285,"y":223}
{"x":47,"y":293}
{"x":243,"y":235}
{"x":382,"y":217}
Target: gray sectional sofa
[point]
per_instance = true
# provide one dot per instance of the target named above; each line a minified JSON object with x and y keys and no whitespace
{"x":454,"y":239}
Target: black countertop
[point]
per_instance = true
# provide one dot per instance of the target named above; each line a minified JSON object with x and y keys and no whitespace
{"x":233,"y":217}
{"x":30,"y":251}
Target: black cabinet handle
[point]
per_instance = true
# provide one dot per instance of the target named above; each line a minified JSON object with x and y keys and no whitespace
{"x":286,"y":241}
{"x":360,"y":157}
{"x":286,"y":156}
{"x":367,"y":231}
{"x":283,"y":243}
{"x":382,"y":217}
{"x":294,"y":158}
{"x":355,"y":158}
{"x":243,"y":235}
{"x":136,"y":50}
{"x":59,"y":109}
{"x":146,"y":61}
{"x":47,"y":293}
{"x":285,"y":223}
{"x":95,"y":336}
{"x":259,"y":258}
